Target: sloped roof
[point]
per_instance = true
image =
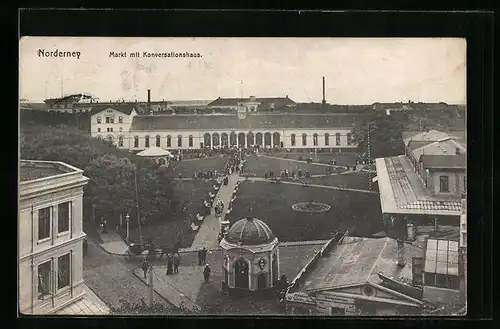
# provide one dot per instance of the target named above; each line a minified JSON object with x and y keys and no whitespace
{"x":34,"y":106}
{"x":412,"y":145}
{"x":446,"y":146}
{"x":444,"y":161}
{"x":154,"y":151}
{"x":426,"y":136}
{"x":402,"y":192}
{"x":356,"y":262}
{"x":125,"y":108}
{"x":214,"y":122}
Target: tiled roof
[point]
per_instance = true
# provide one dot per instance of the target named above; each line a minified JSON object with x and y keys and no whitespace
{"x":444,"y":161}
{"x":214,"y":122}
{"x":451,"y":205}
{"x":401,"y":191}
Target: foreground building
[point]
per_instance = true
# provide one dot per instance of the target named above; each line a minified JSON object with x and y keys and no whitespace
{"x":357,"y":276}
{"x":425,"y":184}
{"x":51,"y":241}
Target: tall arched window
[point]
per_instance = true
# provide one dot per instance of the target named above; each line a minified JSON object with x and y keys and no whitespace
{"x":292,"y":139}
{"x":136,"y":141}
{"x":169,"y":141}
{"x":315,"y":139}
{"x":190,"y":140}
{"x":110,"y":138}
{"x":120,"y":141}
{"x":304,"y":139}
{"x":158,"y":140}
{"x":327,"y":139}
{"x":146,"y":141}
{"x":337,"y":139}
{"x":179,"y":141}
{"x":349,"y":139}
{"x":98,"y":137}
{"x":98,"y":119}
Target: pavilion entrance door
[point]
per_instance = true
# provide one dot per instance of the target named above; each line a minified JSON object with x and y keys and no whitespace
{"x":262,"y":281}
{"x":241,"y":274}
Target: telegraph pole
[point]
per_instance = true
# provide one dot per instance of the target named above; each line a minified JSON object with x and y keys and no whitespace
{"x":369,"y":158}
{"x":151,"y":286}
{"x":137,"y":203}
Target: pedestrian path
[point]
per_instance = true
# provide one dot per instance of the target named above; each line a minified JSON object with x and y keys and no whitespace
{"x":358,"y":167}
{"x":169,"y":291}
{"x":113,"y":243}
{"x":210,"y":227}
{"x":314,"y":185}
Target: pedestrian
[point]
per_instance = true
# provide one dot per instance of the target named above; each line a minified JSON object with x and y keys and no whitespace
{"x":105,"y":227}
{"x":204,"y":255}
{"x":200,"y":252}
{"x":177,"y":262}
{"x":206,"y":273}
{"x":145,"y":267}
{"x":170,"y":263}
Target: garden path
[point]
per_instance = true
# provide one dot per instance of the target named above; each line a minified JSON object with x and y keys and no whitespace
{"x":210,"y":228}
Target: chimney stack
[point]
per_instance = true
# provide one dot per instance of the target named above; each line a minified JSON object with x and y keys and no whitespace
{"x":401,"y":253}
{"x":457,"y":151}
{"x":324,"y":100}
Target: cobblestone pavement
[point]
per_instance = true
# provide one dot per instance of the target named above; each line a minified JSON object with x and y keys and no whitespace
{"x":111,"y":278}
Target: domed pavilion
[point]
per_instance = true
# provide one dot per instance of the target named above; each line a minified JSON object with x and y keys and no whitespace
{"x":250,"y":256}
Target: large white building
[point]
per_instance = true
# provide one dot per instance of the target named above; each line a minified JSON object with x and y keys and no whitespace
{"x":247,"y":126}
{"x":51,"y":241}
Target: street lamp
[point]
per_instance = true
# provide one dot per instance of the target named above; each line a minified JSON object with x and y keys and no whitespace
{"x":128,"y":228}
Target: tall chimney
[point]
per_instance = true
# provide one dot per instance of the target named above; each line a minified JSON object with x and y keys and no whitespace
{"x":324,"y":100}
{"x":148,"y":106}
{"x":401,"y":253}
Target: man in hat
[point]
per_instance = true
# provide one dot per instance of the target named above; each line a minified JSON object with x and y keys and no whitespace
{"x":206,"y":273}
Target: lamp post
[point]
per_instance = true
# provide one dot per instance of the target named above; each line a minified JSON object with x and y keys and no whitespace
{"x":128,"y":227}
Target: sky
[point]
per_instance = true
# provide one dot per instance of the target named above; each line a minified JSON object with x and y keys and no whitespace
{"x":357,"y":70}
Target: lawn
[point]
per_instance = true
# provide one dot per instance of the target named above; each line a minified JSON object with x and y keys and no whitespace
{"x":344,"y":158}
{"x":188,"y":167}
{"x":258,"y":166}
{"x":272,"y":203}
{"x":190,"y":195}
{"x":356,"y":180}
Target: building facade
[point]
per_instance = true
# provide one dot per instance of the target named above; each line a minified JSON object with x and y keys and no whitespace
{"x":50,"y":236}
{"x":127,"y":130}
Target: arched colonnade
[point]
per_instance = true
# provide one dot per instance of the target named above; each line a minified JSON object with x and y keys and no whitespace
{"x":242,"y":140}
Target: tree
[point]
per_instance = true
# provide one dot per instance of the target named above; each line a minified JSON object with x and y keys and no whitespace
{"x":385,"y":134}
{"x":111,"y":171}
